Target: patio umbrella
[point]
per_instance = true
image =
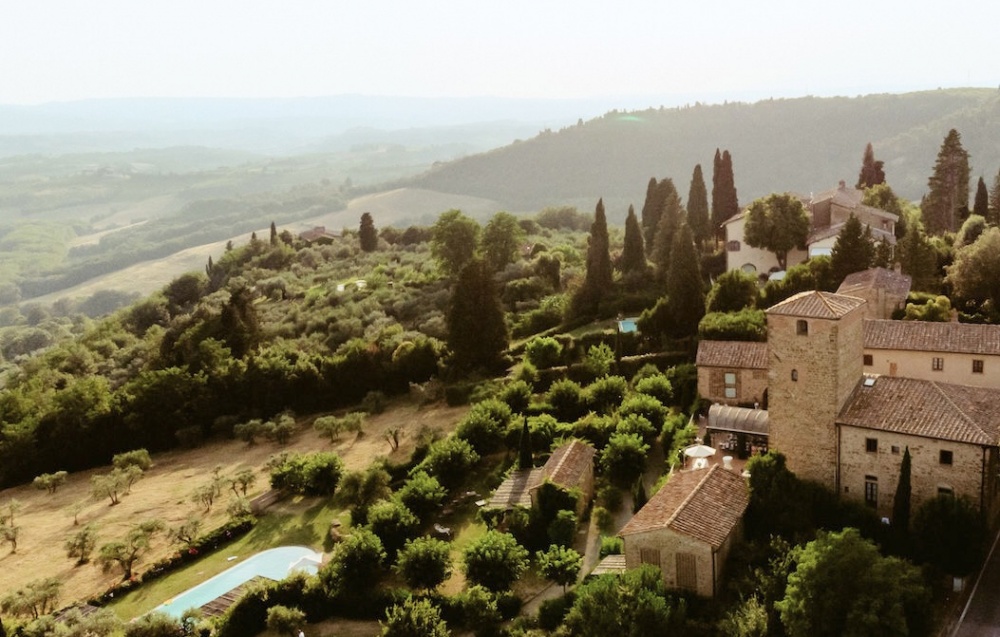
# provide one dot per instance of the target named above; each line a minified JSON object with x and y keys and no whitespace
{"x":699,"y":451}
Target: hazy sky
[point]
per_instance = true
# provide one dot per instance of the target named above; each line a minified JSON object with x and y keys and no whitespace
{"x":55,"y":50}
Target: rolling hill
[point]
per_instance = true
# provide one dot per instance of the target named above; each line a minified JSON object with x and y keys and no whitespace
{"x":804,"y":144}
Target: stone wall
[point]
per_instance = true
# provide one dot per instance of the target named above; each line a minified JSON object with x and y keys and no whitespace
{"x":750,"y":385}
{"x":956,"y":367}
{"x":810,"y":377}
{"x":669,"y":543}
{"x":927,"y":475}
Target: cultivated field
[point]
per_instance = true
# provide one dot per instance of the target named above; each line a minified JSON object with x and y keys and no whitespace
{"x":165,"y":493}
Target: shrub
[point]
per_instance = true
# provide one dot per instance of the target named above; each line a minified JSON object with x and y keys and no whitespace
{"x":624,"y":458}
{"x":485,"y":425}
{"x":543,"y":352}
{"x":645,"y":405}
{"x":517,"y":396}
{"x":566,"y":400}
{"x":605,"y":394}
{"x":657,"y":386}
{"x":422,"y":494}
{"x":449,"y":460}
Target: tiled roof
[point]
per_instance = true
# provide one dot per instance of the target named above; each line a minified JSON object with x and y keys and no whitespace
{"x":705,"y":504}
{"x":832,"y":231}
{"x":924,"y":336}
{"x":889,"y":280}
{"x":813,"y":304}
{"x":742,"y":354}
{"x":568,"y":464}
{"x":843,"y":196}
{"x":515,"y":491}
{"x":925,"y":408}
{"x":319,"y":232}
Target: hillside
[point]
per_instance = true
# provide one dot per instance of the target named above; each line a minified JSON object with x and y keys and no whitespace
{"x":803,"y":144}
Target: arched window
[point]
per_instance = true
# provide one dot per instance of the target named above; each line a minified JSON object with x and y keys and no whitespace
{"x":802,"y":327}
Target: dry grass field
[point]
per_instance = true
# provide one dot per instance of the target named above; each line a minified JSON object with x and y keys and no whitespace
{"x":165,"y":491}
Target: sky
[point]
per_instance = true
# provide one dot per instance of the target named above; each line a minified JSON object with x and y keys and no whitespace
{"x":707,"y":50}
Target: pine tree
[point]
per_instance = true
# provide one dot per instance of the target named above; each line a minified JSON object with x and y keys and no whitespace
{"x":671,"y":216}
{"x":871,"y":173}
{"x":633,"y":255}
{"x":853,"y":250}
{"x":724,"y":201}
{"x":477,"y":330}
{"x":367,"y":234}
{"x":697,"y":207}
{"x":883,"y":254}
{"x":901,"y":503}
{"x":685,"y":294}
{"x":650,"y":214}
{"x":981,"y":206}
{"x":598,"y":280}
{"x":917,"y":258}
{"x":947,"y":201}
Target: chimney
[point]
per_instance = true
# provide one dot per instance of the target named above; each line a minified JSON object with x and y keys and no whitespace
{"x":842,"y":185}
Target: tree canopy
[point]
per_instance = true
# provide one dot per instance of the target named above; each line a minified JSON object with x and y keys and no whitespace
{"x":454,"y":240}
{"x":947,"y":200}
{"x":778,"y":223}
{"x":502,"y":240}
{"x":367,"y":235}
{"x":872,"y":173}
{"x":697,"y":207}
{"x":975,"y":274}
{"x":853,"y":251}
{"x":724,"y":201}
{"x":477,"y":329}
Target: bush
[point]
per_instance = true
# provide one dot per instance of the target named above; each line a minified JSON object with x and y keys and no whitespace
{"x":449,"y":460}
{"x":645,"y":405}
{"x":612,"y":545}
{"x":566,"y":399}
{"x":745,"y":325}
{"x":485,"y":425}
{"x":657,"y":386}
{"x":543,"y":352}
{"x":517,"y":396}
{"x":422,"y":494}
{"x":314,"y":474}
{"x":624,"y":458}
{"x":605,"y":394}
{"x":552,"y":611}
{"x":596,"y":430}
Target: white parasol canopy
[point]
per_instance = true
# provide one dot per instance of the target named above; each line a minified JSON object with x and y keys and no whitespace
{"x":699,"y":451}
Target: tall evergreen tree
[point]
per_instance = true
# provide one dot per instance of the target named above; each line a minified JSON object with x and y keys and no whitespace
{"x":697,"y":207}
{"x":477,"y":330}
{"x":947,"y":201}
{"x":274,"y":234}
{"x":901,"y":500}
{"x":871,"y":173}
{"x":981,"y":205}
{"x":598,"y":279}
{"x":633,"y":255}
{"x":724,"y":201}
{"x":853,"y":250}
{"x":918,"y":259}
{"x":650,"y":214}
{"x":685,"y":294}
{"x":671,"y":215}
{"x":524,"y":455}
{"x":367,"y":234}
{"x":994,"y":217}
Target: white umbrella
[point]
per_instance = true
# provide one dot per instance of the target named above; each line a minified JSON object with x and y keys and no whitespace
{"x":699,"y":451}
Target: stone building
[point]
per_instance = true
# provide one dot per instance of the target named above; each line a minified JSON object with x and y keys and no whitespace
{"x":688,"y":528}
{"x":828,"y":211}
{"x":883,"y":290}
{"x":570,"y":468}
{"x":732,"y":372}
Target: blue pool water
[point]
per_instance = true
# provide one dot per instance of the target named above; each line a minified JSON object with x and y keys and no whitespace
{"x":275,"y":564}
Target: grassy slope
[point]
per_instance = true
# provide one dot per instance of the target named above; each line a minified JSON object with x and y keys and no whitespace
{"x":164,"y":493}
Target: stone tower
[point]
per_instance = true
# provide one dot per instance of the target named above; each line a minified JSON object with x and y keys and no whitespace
{"x":815,"y":348}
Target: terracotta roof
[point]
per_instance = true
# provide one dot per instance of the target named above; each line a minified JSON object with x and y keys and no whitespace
{"x":832,"y":231}
{"x":925,"y":408}
{"x":319,"y":232}
{"x":923,"y":336}
{"x":568,"y":464}
{"x":738,"y":419}
{"x":515,"y":491}
{"x":705,"y":504}
{"x":742,"y":354}
{"x":889,"y":280}
{"x":610,"y":565}
{"x":813,"y":304}
{"x":847,"y":197}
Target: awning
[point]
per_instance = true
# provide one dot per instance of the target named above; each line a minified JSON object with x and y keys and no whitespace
{"x":738,"y":420}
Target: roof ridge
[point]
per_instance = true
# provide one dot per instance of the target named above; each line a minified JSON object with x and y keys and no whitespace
{"x":826,"y":302}
{"x":562,"y":459}
{"x":680,"y":507}
{"x":958,"y":409}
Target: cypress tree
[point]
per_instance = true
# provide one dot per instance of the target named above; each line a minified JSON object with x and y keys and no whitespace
{"x":671,"y":216}
{"x":724,"y":201}
{"x":598,"y":279}
{"x":697,"y":207}
{"x":477,"y":331}
{"x":981,"y":206}
{"x":650,"y":214}
{"x":639,"y":497}
{"x":872,"y":173}
{"x":274,"y":234}
{"x":917,"y":258}
{"x":947,"y":201}
{"x":633,"y":255}
{"x":367,"y":234}
{"x":685,"y":294}
{"x":901,"y":502}
{"x":524,"y":456}
{"x":853,"y":250}
{"x":994,"y":216}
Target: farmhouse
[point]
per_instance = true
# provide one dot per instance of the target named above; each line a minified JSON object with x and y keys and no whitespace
{"x":828,"y":212}
{"x":688,"y":528}
{"x":569,"y":468}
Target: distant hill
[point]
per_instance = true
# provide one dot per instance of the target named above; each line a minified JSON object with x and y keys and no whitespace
{"x":803,"y":145}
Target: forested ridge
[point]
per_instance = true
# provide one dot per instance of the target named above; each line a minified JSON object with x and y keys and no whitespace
{"x":803,"y":145}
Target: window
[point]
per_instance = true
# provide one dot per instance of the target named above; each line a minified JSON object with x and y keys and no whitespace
{"x":945,"y":457}
{"x":944,"y":489}
{"x":687,"y":571}
{"x":871,"y":445}
{"x":868,"y":360}
{"x":732,"y":246}
{"x":795,"y":375}
{"x":802,"y":327}
{"x":977,"y":366}
{"x":895,"y":450}
{"x":729,"y":380}
{"x":937,"y":363}
{"x":650,"y":556}
{"x":871,"y":491}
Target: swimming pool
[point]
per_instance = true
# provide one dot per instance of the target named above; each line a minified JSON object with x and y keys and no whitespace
{"x":276,"y":564}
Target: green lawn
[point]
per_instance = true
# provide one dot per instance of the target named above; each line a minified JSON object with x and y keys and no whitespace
{"x":297,"y":521}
